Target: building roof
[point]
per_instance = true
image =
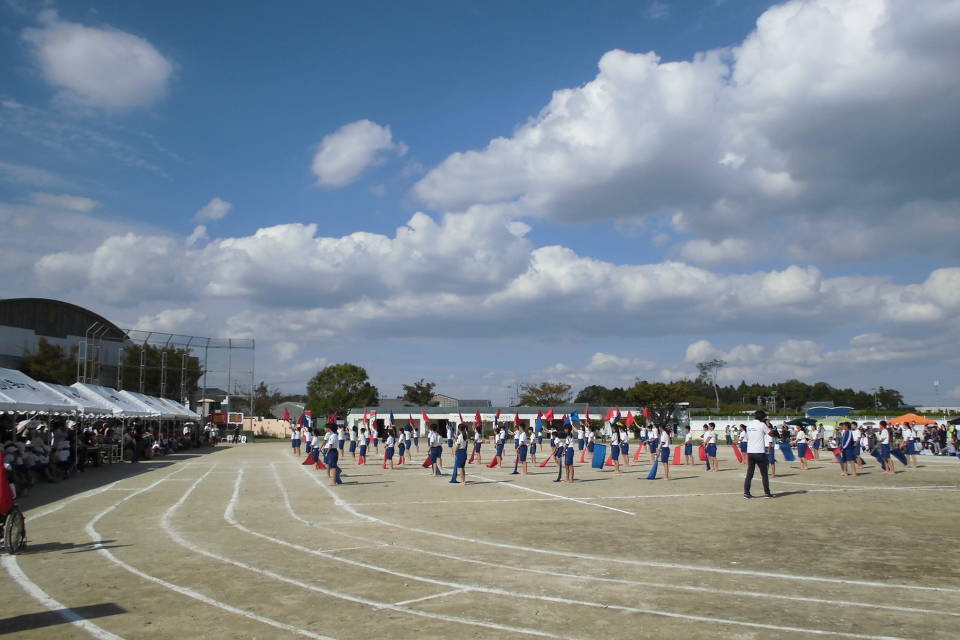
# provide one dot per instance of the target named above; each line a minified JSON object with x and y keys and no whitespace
{"x":55,"y":318}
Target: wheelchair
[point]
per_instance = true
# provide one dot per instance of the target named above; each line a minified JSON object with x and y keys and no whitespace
{"x":13,"y":531}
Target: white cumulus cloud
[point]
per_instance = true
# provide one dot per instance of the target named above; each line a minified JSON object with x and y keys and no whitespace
{"x":99,"y":67}
{"x":347,"y":152}
{"x":216,"y":209}
{"x":809,"y":127}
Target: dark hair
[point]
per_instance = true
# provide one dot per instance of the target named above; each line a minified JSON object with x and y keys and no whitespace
{"x":760,"y":415}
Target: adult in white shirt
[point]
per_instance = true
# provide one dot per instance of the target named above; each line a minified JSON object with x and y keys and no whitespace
{"x":757,"y":434}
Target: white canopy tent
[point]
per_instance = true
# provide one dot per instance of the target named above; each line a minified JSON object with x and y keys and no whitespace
{"x":179,"y":409}
{"x":93,"y":407}
{"x":157,"y":409}
{"x":125,"y":407}
{"x":20,"y":392}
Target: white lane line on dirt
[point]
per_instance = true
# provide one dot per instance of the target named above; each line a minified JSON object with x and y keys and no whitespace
{"x":662,"y":565}
{"x":840,"y":487}
{"x":638,"y":583}
{"x":561,"y":600}
{"x":436,"y":595}
{"x":231,"y":519}
{"x":184,"y":591}
{"x":44,"y":598}
{"x":80,"y":496}
{"x":553,"y":495}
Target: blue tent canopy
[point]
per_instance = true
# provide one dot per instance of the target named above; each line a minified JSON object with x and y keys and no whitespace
{"x":828,"y":412}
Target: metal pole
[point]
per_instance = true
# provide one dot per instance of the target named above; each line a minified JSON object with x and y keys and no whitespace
{"x":229,"y":367}
{"x":120,"y":354}
{"x":253,"y":361}
{"x":163,"y":374}
{"x":203,"y":396}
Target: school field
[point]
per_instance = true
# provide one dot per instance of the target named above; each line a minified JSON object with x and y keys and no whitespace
{"x":243,"y":542}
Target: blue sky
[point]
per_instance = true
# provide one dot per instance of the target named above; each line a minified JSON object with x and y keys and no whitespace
{"x":481,"y":193}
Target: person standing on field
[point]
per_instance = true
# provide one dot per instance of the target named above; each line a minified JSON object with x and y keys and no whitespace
{"x":757,"y":430}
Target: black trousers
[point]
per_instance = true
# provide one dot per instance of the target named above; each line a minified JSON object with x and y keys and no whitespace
{"x":756,"y":460}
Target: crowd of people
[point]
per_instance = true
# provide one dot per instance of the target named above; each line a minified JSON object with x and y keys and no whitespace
{"x":57,"y":448}
{"x":756,"y":444}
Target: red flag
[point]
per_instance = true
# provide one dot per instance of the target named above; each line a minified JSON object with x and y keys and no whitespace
{"x":588,"y":414}
{"x":548,"y":415}
{"x":498,"y":415}
{"x":365,"y":420}
{"x":808,"y":455}
{"x":630,"y":420}
{"x":516,"y":419}
{"x":646,"y":413}
{"x":409,"y":419}
{"x":6,"y":493}
{"x":332,"y":418}
{"x":539,"y":414}
{"x":476,"y":419}
{"x":310,"y":460}
{"x":286,"y":416}
{"x":609,"y":416}
{"x":461,"y":417}
{"x":736,"y":452}
{"x":423,"y":416}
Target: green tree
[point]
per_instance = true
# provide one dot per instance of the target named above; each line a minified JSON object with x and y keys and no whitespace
{"x":598,"y":395}
{"x":708,"y":375}
{"x":181,"y":368}
{"x":338,"y":387}
{"x":50,"y":363}
{"x":662,"y":399}
{"x":544,"y":394}
{"x":420,"y":393}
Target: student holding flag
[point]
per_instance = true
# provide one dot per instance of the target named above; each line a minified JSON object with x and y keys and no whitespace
{"x":624,"y":432}
{"x":388,"y":454}
{"x":295,"y":440}
{"x":362,"y":459}
{"x":460,"y":455}
{"x":711,"y":444}
{"x":416,"y":433}
{"x":436,"y":450}
{"x":581,"y":440}
{"x":477,"y":440}
{"x":800,"y":439}
{"x":568,"y":454}
{"x":522,"y":449}
{"x":663,"y":442}
{"x":331,"y":454}
{"x":615,"y":446}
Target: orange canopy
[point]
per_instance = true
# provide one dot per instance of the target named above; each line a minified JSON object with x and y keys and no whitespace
{"x":912,"y":417}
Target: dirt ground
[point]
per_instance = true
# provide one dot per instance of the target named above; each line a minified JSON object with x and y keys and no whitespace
{"x":244,"y":542}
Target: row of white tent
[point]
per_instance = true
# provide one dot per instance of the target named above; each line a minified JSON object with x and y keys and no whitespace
{"x":19,"y":393}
